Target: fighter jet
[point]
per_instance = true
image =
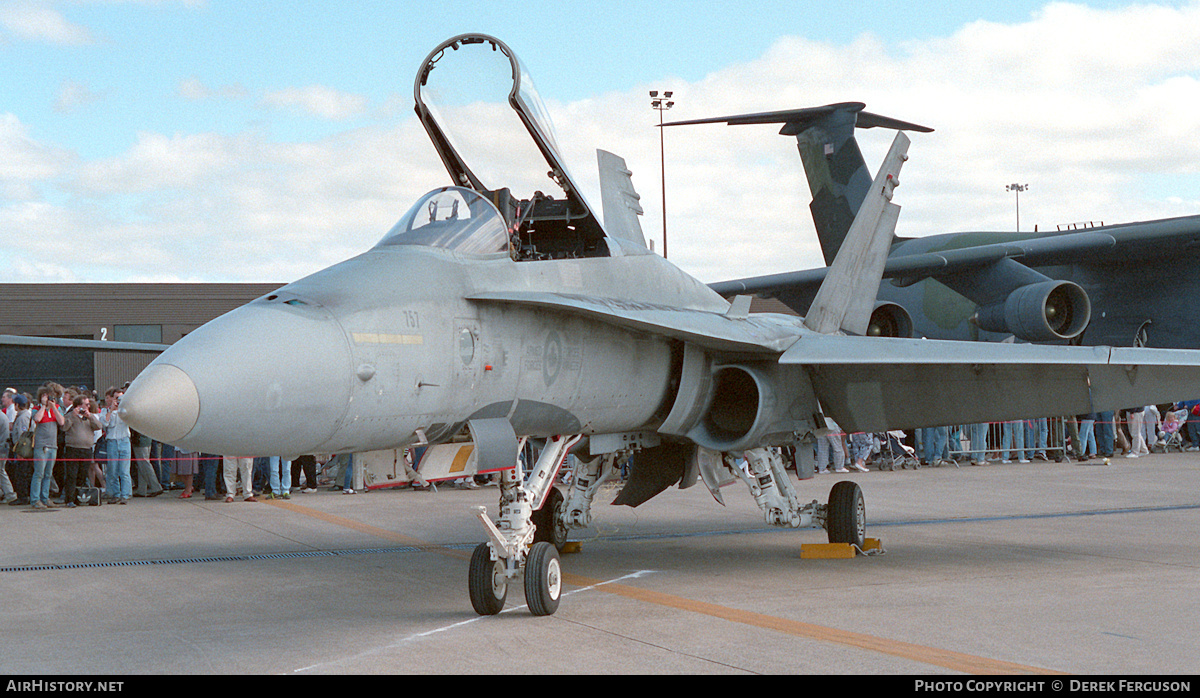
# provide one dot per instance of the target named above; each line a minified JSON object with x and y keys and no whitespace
{"x":494,"y":314}
{"x":1124,"y":285}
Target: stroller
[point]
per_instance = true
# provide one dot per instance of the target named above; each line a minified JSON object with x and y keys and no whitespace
{"x":893,"y":452}
{"x":1172,"y":426}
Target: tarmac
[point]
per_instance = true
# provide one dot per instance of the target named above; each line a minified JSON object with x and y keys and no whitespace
{"x":1040,"y":568}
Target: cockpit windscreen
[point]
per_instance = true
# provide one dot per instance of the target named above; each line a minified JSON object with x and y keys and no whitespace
{"x":452,"y":218}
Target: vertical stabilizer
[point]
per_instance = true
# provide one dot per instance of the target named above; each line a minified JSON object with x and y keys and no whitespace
{"x":837,"y":173}
{"x":838,"y":177}
{"x":620,"y":202}
{"x":847,"y":295}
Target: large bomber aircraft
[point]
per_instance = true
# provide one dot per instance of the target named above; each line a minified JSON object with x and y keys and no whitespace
{"x":1120,"y":285}
{"x":496,"y":314}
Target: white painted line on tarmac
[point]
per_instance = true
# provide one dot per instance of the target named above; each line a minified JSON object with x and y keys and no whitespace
{"x":453,"y":626}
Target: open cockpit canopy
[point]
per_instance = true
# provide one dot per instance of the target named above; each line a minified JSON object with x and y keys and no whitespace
{"x":478,"y":104}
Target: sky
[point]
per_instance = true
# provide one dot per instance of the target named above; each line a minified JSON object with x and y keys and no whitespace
{"x":220,"y":141}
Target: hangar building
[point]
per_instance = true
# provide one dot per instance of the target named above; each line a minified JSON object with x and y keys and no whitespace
{"x":151,"y":313}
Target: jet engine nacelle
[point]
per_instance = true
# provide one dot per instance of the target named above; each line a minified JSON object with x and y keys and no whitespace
{"x":737,"y":406}
{"x":1040,"y":312}
{"x":890,"y":320}
{"x":740,"y":409}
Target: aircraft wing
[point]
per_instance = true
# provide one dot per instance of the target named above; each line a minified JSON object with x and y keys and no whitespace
{"x":879,"y":383}
{"x":875,"y":383}
{"x":21,"y":341}
{"x":705,"y":328}
{"x":914,"y":267}
{"x":1128,"y":240}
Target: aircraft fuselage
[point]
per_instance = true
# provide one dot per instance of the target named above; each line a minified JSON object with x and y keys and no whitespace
{"x":384,"y":350}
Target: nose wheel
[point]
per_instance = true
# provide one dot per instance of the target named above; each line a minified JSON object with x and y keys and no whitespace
{"x":543,"y":579}
{"x":487,"y":582}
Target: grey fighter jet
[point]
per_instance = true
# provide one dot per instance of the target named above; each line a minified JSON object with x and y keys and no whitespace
{"x":497,"y":314}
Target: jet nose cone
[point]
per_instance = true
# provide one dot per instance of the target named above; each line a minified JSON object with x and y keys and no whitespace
{"x":162,"y":402}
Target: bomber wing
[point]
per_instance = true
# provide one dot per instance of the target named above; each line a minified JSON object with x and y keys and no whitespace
{"x":1031,"y":251}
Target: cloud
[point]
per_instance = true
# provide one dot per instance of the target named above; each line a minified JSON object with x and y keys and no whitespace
{"x":227,"y":208}
{"x":194,"y":90}
{"x":317,"y":100}
{"x":24,"y":160}
{"x":73,"y":95}
{"x":39,"y":22}
{"x":1094,"y":109}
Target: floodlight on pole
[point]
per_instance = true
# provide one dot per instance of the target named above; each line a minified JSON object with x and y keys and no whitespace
{"x":662,"y":104}
{"x":1017,"y":188}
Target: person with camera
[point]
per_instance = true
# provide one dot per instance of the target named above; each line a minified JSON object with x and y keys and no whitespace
{"x":117,"y":438}
{"x":79,"y":427}
{"x":46,"y":419}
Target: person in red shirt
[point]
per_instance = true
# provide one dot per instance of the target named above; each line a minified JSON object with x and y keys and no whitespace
{"x":47,"y":419}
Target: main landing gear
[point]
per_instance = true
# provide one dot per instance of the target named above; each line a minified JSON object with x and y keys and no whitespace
{"x":514,"y":549}
{"x":844,"y":517}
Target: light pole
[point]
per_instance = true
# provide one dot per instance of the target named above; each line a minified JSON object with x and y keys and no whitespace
{"x":1017,"y":188}
{"x":662,"y":104}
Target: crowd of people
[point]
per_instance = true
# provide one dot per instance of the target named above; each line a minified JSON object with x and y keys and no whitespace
{"x":1130,"y":433}
{"x":69,"y":445}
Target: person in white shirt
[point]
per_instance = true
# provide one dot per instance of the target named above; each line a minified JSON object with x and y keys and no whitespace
{"x":6,"y":487}
{"x":116,"y":436}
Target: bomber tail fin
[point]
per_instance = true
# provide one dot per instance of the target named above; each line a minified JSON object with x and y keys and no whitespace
{"x":837,"y":173}
{"x":847,"y":295}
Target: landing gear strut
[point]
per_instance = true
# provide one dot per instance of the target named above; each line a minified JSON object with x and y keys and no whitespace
{"x":844,"y":518}
{"x":514,"y":550}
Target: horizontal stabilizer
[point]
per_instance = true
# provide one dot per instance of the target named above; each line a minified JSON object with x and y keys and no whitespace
{"x":798,"y":119}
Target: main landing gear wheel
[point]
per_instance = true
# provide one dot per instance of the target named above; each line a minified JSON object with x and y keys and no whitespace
{"x":543,"y":579}
{"x":486,"y":582}
{"x":846,"y":515}
{"x":551,"y":528}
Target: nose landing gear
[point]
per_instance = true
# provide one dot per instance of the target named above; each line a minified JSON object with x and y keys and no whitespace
{"x":514,"y":551}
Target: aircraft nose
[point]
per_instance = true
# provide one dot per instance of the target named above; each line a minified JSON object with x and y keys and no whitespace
{"x":163,"y":402}
{"x":265,"y":379}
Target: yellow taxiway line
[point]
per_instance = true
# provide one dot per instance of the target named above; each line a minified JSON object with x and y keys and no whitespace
{"x":955,"y":661}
